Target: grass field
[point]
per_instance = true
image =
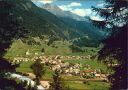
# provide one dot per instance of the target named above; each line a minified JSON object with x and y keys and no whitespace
{"x":19,"y":49}
{"x":86,"y":86}
{"x":25,"y":67}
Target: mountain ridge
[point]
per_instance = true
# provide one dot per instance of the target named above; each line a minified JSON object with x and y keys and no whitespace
{"x":84,"y":26}
{"x":39,"y":21}
{"x":59,"y":12}
{"x":42,"y":22}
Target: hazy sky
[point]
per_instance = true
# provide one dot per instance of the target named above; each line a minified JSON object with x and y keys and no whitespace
{"x":79,"y":7}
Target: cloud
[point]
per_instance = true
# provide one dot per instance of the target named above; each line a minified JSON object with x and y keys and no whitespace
{"x":46,"y":1}
{"x":100,"y":5}
{"x":43,"y":1}
{"x":74,"y":4}
{"x":65,"y":8}
{"x":88,"y":12}
{"x":82,"y":12}
{"x":70,"y":6}
{"x":78,"y":11}
{"x":97,"y":18}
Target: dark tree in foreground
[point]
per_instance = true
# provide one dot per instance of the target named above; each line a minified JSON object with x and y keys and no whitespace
{"x":10,"y":26}
{"x":10,"y":29}
{"x":115,"y":14}
{"x":6,"y":66}
{"x":56,"y":84}
{"x":5,"y":82}
{"x":38,"y":70}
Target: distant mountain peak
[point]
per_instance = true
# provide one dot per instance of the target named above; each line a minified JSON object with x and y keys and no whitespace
{"x":54,"y":9}
{"x":48,"y":6}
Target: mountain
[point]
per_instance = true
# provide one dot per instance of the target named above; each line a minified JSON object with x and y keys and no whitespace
{"x":60,"y":13}
{"x":40,"y":21}
{"x":81,"y":24}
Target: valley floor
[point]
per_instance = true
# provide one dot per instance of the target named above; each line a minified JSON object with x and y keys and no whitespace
{"x":79,"y":70}
{"x":73,"y":78}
